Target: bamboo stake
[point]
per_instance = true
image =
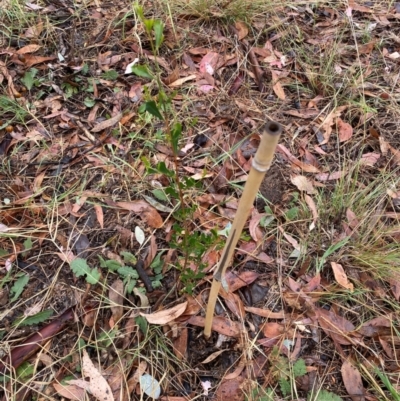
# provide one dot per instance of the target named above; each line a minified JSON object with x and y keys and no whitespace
{"x":260,"y":165}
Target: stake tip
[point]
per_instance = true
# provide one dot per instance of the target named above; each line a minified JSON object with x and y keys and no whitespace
{"x":273,"y":128}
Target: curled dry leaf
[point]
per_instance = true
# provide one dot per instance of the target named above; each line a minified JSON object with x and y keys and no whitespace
{"x":265,"y":312}
{"x":209,"y":63}
{"x":165,"y":316}
{"x":352,"y":381}
{"x":340,"y":276}
{"x":70,"y":391}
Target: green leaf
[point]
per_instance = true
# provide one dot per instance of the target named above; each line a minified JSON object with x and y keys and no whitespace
{"x":29,"y":78}
{"x":28,"y":244}
{"x":139,"y":12}
{"x":157,"y":263}
{"x":148,"y":24}
{"x":127,"y":271}
{"x":142,"y":323}
{"x":285,"y":386}
{"x":93,"y":276}
{"x":3,"y":252}
{"x":35,"y":319}
{"x":142,"y":71}
{"x":158,"y":27}
{"x":112,"y":265}
{"x":160,"y":194}
{"x":152,"y":108}
{"x":323,"y":395}
{"x":25,"y":371}
{"x":292,"y":213}
{"x":129,"y":258}
{"x":79,"y":267}
{"x":176,"y":134}
{"x":163,"y":169}
{"x":111,"y":75}
{"x":19,"y":286}
{"x":88,"y":102}
{"x":299,"y":368}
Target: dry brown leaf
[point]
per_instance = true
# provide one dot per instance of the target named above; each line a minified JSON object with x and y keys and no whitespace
{"x":165,"y":316}
{"x":180,"y":343}
{"x":306,"y":167}
{"x":272,"y":330}
{"x":220,"y":325}
{"x":230,"y":390}
{"x":214,"y":355}
{"x":341,"y":277}
{"x":209,"y":63}
{"x":28,"y":49}
{"x":146,"y":212}
{"x":303,"y":184}
{"x":345,"y":130}
{"x":107,"y":123}
{"x":330,"y":176}
{"x":236,"y":281}
{"x":265,"y":312}
{"x":181,"y":81}
{"x":311,"y":204}
{"x":233,"y":302}
{"x":335,"y":326}
{"x":242,"y":29}
{"x":31,"y":60}
{"x":277,"y":87}
{"x":70,"y":391}
{"x":97,"y":384}
{"x":352,"y":381}
{"x":116,"y":296}
{"x":99,"y":214}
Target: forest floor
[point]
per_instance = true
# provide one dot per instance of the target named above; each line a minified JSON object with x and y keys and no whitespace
{"x":126,"y":136}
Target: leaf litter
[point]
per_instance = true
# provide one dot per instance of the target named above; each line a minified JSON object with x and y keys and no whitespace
{"x":86,"y":178}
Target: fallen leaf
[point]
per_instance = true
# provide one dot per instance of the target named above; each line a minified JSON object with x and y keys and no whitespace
{"x":242,"y":29}
{"x":335,"y":326}
{"x":165,"y":316}
{"x":116,"y":296}
{"x":345,"y":130}
{"x":277,"y":87}
{"x":340,"y":276}
{"x":181,"y":81}
{"x":272,"y":330}
{"x":97,"y":384}
{"x":265,"y":312}
{"x":352,"y":381}
{"x":330,"y":176}
{"x":28,"y":49}
{"x":236,"y":281}
{"x":209,"y":63}
{"x":286,"y":153}
{"x":213,"y":356}
{"x":220,"y":325}
{"x":311,"y":204}
{"x":145,"y":211}
{"x":230,"y":390}
{"x":370,"y":159}
{"x":107,"y":123}
{"x":99,"y":214}
{"x":303,"y":184}
{"x":70,"y":391}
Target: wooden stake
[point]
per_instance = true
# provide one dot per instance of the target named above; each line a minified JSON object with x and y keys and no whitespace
{"x":261,"y":163}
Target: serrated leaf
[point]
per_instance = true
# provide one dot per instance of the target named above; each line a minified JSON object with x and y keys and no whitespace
{"x":36,"y":319}
{"x":285,"y":386}
{"x":299,"y":368}
{"x":157,"y":263}
{"x":142,"y":71}
{"x":152,"y":108}
{"x":19,"y":286}
{"x":93,"y":276}
{"x":79,"y":267}
{"x":127,"y":271}
{"x":112,"y":265}
{"x":129,"y":258}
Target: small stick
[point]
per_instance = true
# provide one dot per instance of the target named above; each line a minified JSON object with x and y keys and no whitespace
{"x":260,"y":165}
